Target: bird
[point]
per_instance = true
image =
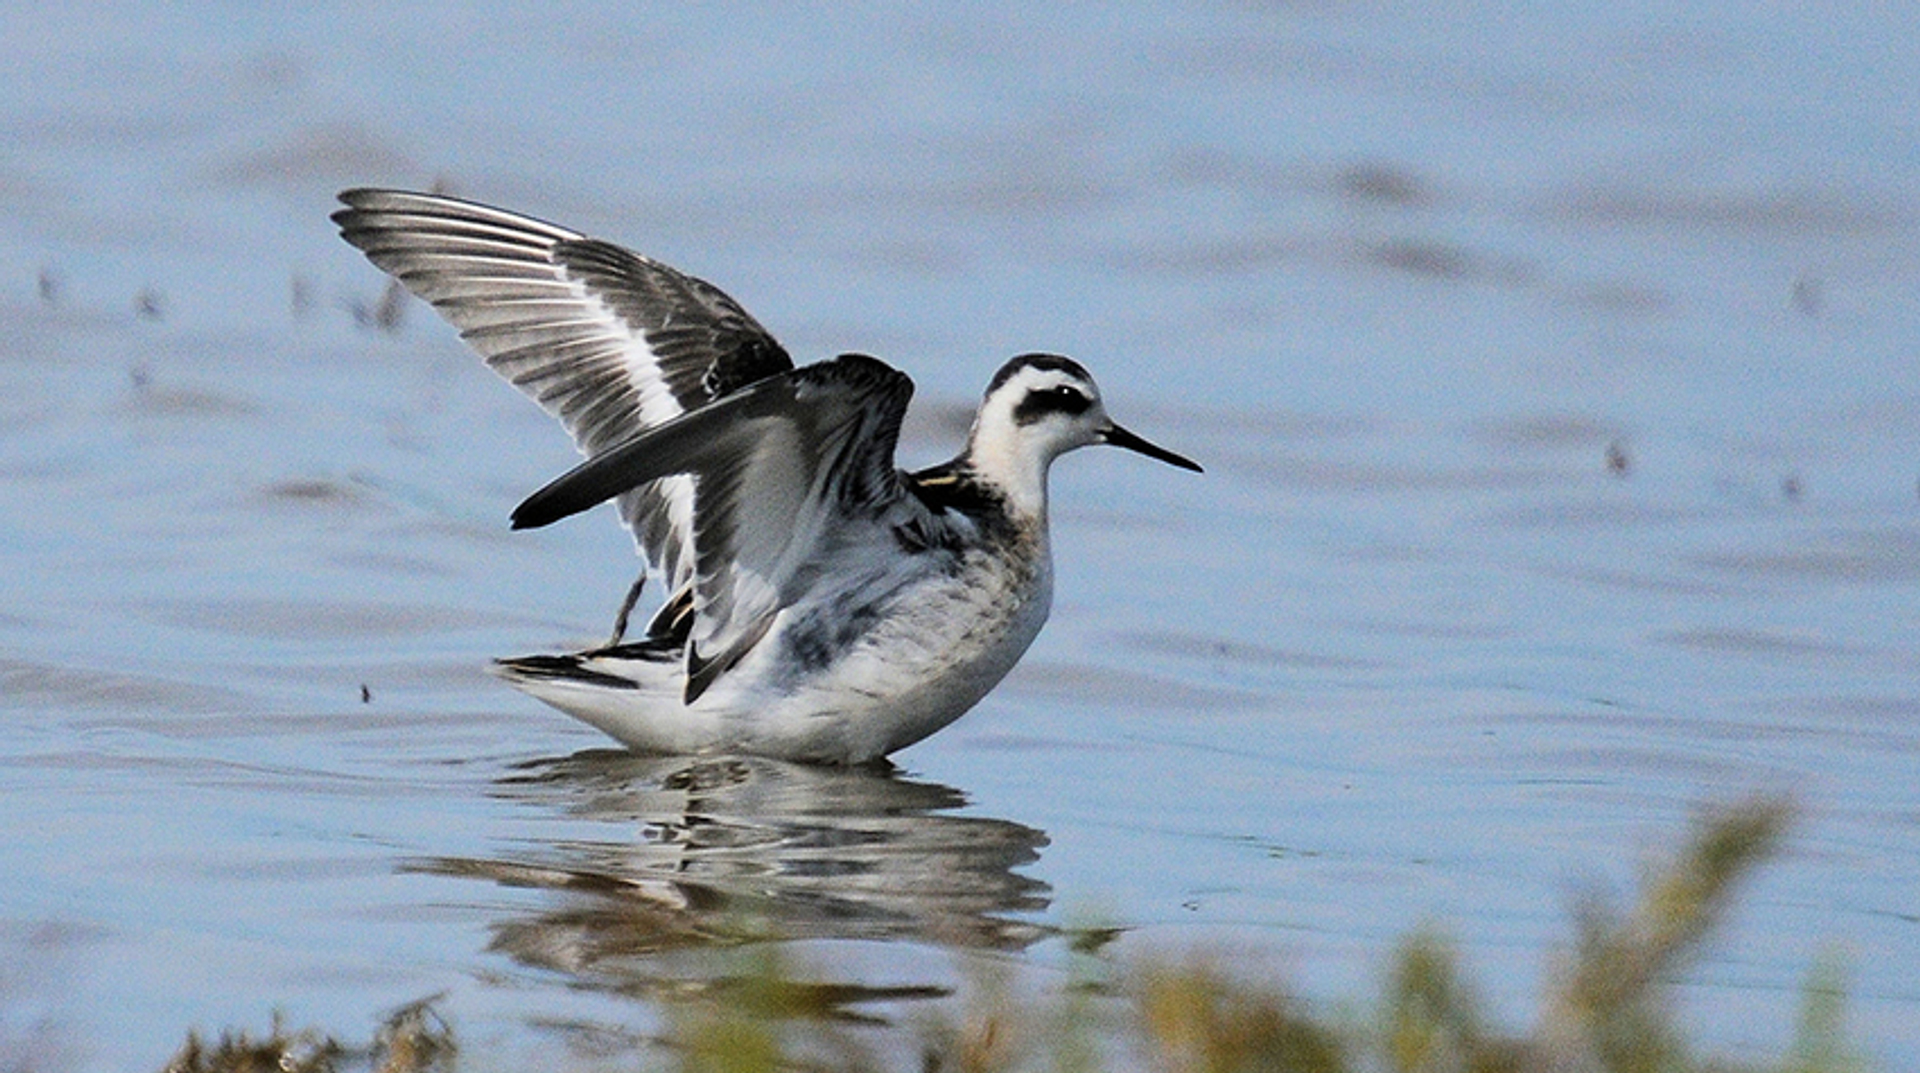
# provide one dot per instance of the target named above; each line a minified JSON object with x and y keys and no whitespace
{"x":822,"y":605}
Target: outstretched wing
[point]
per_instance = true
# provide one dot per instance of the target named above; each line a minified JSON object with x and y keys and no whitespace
{"x":610,"y":342}
{"x":784,"y":471}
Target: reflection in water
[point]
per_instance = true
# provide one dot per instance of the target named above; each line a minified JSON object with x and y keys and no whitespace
{"x":735,"y":850}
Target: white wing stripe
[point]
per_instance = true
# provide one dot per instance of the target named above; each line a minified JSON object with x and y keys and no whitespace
{"x":610,"y":342}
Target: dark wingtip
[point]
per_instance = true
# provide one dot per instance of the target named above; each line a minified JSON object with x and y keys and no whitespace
{"x":354,"y":198}
{"x":534,"y":513}
{"x":701,"y":673}
{"x":581,"y":488}
{"x":555,"y":501}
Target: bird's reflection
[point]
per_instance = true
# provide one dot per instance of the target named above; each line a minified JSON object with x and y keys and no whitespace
{"x":699,"y":853}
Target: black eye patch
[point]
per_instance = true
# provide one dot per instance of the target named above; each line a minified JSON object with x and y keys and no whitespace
{"x":1053,"y":400}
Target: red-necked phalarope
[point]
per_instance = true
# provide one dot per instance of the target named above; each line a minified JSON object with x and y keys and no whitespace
{"x":823,"y":605}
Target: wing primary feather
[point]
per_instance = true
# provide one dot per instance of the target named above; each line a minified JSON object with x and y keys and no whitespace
{"x":703,"y":672}
{"x":670,"y":449}
{"x":733,"y":469}
{"x":679,"y":445}
{"x":611,"y":342}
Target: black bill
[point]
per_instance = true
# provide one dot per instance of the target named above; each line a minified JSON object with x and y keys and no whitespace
{"x":1120,"y":437}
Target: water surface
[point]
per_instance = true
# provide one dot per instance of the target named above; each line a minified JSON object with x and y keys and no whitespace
{"x":1554,"y":375}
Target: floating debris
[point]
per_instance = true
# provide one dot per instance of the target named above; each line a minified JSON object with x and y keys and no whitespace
{"x":50,"y":285}
{"x":1618,"y":463}
{"x":300,"y":296}
{"x":392,"y":308}
{"x":386,"y":315}
{"x":1385,"y":183}
{"x":1808,"y":296}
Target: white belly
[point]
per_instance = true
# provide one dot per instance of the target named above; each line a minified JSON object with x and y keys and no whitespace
{"x":932,"y":651}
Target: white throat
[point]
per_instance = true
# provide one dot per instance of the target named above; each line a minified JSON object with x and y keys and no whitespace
{"x":1013,"y":468}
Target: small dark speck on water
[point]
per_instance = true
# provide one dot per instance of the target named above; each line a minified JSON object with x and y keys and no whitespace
{"x":1092,"y":940}
{"x":366,"y":695}
{"x":140,"y":377}
{"x":393,"y":304}
{"x":1790,"y":488}
{"x":384,"y":315}
{"x":300,"y":296}
{"x":1384,"y":183}
{"x":1618,"y":463}
{"x":149,"y":304}
{"x":1807,"y":298}
{"x":1422,"y":258}
{"x":49,"y":283}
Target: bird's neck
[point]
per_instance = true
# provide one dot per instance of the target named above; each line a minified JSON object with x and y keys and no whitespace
{"x":1019,"y":479}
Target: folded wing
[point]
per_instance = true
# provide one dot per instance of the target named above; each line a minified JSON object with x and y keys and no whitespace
{"x":610,"y":342}
{"x":785,"y":471}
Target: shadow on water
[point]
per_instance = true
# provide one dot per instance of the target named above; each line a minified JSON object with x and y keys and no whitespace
{"x":725,"y":852}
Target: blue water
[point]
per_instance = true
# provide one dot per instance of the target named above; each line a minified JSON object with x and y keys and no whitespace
{"x":1412,"y":652}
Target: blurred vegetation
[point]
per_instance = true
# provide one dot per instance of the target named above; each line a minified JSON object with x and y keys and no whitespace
{"x":414,"y":1039}
{"x":1608,"y":1009}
